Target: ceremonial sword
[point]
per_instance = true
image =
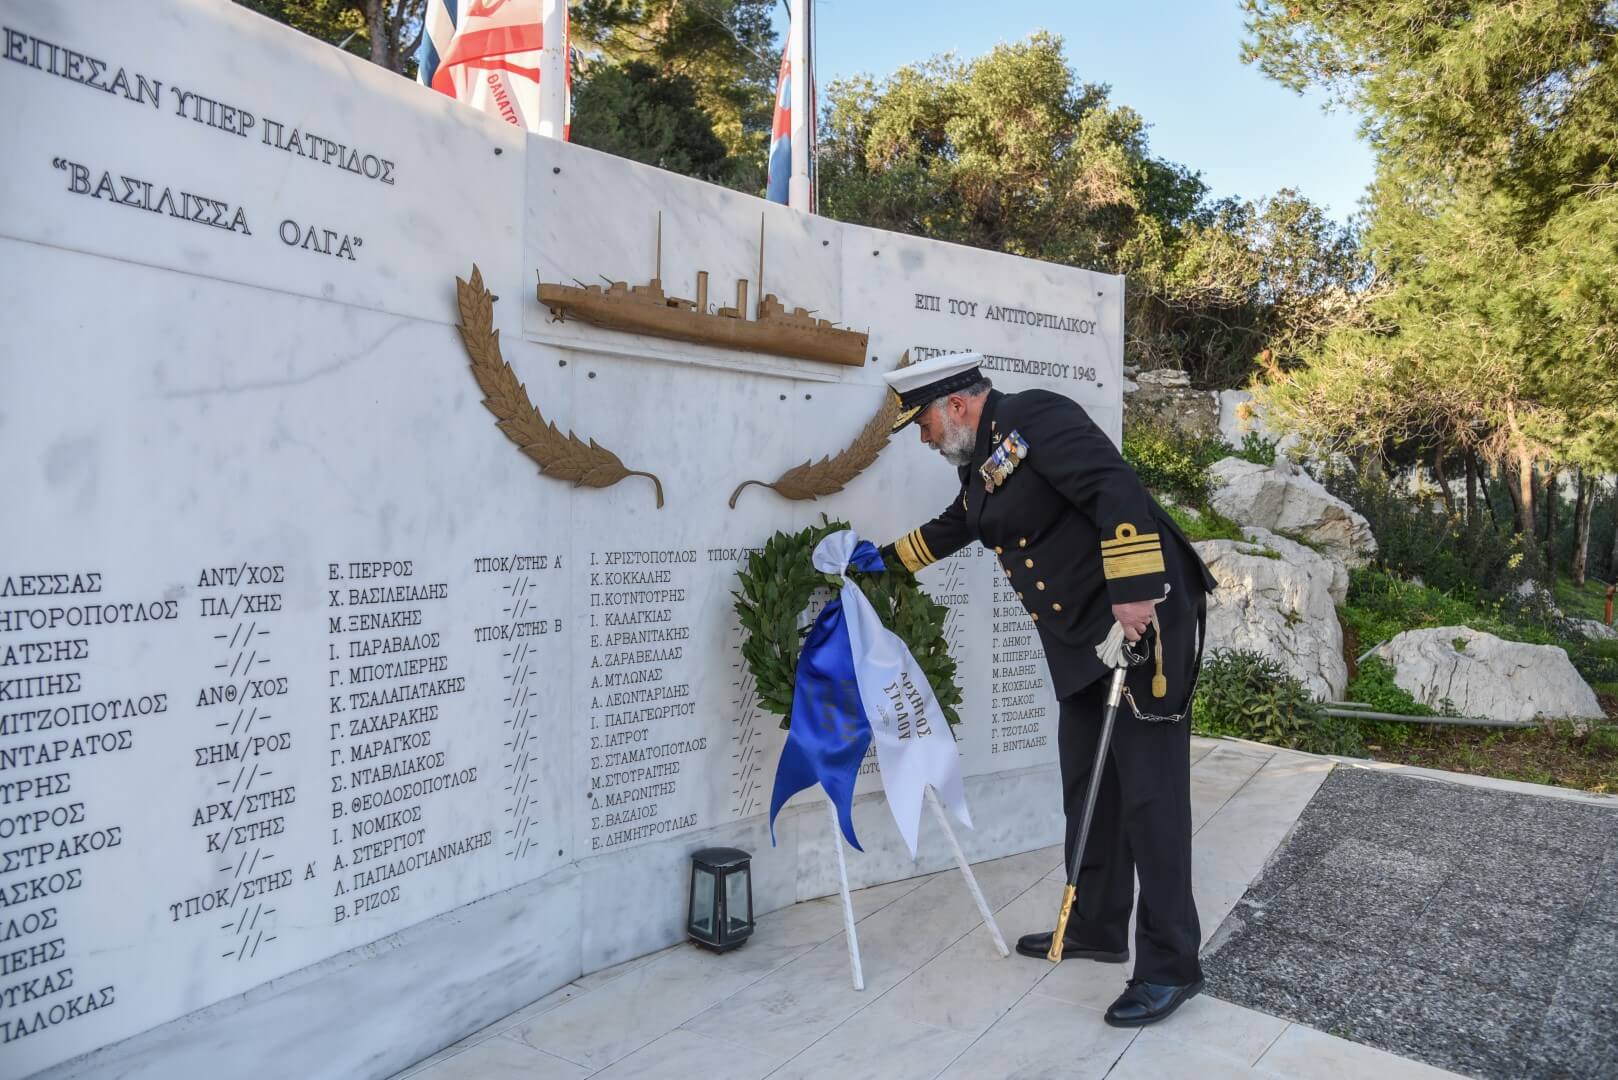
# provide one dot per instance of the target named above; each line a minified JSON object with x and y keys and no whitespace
{"x":1133,"y":653}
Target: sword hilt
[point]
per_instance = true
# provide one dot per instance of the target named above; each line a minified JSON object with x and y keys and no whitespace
{"x":1055,"y":955}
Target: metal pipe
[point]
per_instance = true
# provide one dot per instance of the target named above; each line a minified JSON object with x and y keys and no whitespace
{"x":1362,"y":713}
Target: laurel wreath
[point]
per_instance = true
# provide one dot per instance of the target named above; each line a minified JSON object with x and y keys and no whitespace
{"x":832,"y":473}
{"x":778,"y":584}
{"x":559,"y":456}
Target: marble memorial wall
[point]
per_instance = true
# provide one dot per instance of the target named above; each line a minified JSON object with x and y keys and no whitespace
{"x":296,"y":648}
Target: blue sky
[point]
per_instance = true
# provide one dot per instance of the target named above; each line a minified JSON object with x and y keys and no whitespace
{"x":1176,"y":62}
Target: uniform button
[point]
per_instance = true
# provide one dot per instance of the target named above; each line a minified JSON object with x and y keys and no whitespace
{"x":1040,"y":585}
{"x":1036,"y":616}
{"x":1028,"y":563}
{"x":1023,"y":542}
{"x":998,"y":550}
{"x":1019,"y":596}
{"x":1056,"y":607}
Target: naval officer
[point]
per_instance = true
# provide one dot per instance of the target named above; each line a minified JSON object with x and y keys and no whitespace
{"x":1084,"y":545}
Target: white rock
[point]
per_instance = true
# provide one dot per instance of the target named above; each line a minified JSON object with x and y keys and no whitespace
{"x":1298,"y":554}
{"x":1283,"y":497}
{"x":1276,"y":597}
{"x":1164,"y":377}
{"x":1591,"y":630}
{"x":1240,"y":415}
{"x":1483,"y":675}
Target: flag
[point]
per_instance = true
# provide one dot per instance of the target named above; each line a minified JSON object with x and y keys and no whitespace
{"x":829,"y":733}
{"x":856,"y":682}
{"x":781,"y":132}
{"x":486,"y":53}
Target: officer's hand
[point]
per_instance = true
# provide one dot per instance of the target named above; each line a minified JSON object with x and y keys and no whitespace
{"x":1134,"y":618}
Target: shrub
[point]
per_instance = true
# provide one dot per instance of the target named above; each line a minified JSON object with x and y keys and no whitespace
{"x":1257,"y":449}
{"x":1208,"y":524}
{"x":1374,"y":686}
{"x":1249,"y":695}
{"x":1380,"y":605}
{"x":1173,"y":463}
{"x":1417,"y":537}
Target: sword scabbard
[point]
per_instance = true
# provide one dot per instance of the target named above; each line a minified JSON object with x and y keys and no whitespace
{"x":1055,"y":955}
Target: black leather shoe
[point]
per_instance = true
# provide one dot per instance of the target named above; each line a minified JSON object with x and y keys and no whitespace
{"x":1039,"y":946}
{"x":1147,"y":1003}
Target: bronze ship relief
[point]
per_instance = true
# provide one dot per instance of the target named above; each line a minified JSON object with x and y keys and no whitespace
{"x":647,"y":309}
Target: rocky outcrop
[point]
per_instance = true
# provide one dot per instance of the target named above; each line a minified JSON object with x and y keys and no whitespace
{"x":1591,"y":630}
{"x":1479,"y":674}
{"x":1240,"y":416}
{"x":1164,"y":400}
{"x":1284,"y":498}
{"x":1278,"y":597}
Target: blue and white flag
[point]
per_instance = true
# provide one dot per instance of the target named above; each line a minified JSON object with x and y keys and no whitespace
{"x":857,"y":681}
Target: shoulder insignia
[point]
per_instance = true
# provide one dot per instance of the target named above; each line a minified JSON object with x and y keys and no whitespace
{"x":1130,"y":553}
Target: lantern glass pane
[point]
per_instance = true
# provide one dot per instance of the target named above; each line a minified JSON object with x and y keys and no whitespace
{"x":702,"y":902}
{"x":738,"y":912}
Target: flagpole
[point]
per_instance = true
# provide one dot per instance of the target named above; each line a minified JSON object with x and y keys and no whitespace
{"x":798,"y":186}
{"x":848,"y":902}
{"x":966,"y":872}
{"x":553,"y":68}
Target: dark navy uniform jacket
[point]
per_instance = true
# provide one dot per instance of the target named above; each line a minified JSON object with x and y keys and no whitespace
{"x":1075,"y":532}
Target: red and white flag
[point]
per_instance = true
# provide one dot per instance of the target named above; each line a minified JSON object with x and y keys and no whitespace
{"x":490,"y":53}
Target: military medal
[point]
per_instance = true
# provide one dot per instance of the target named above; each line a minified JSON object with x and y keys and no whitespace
{"x":1003,"y":462}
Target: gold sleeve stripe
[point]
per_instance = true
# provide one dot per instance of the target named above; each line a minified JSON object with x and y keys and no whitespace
{"x":1127,"y":537}
{"x":1133,"y":565}
{"x":922,"y":549}
{"x":1132,"y":549}
{"x":905,"y":547}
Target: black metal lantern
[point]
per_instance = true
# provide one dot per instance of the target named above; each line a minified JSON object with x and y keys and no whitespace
{"x":721,"y":898}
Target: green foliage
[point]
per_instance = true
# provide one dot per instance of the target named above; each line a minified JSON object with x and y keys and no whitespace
{"x":635,"y":111}
{"x":1251,"y":696}
{"x":1380,"y":605}
{"x":1417,"y":537}
{"x":348,"y":25}
{"x":1492,"y":226}
{"x":726,"y":49}
{"x":779,"y":583}
{"x":1257,"y":449}
{"x":1013,"y":152}
{"x":1171,"y":463}
{"x":1208,"y":524}
{"x":1597,"y":662}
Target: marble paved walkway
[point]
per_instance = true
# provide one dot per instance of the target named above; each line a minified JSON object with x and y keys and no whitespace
{"x":938,"y":1001}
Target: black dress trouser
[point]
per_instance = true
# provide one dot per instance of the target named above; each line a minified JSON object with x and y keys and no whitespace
{"x":1142,"y":826}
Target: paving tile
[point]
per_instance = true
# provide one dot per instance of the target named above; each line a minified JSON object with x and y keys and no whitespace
{"x":1590,"y":983}
{"x":1574,"y":1044}
{"x":505,"y":1023}
{"x":1153,"y":1057}
{"x":598,"y":1028}
{"x":501,"y":1058}
{"x":1302,"y":1053}
{"x":681,"y":1055}
{"x":1207,"y":1025}
{"x":789,"y":1009}
{"x":1219,"y":776}
{"x":877,"y":1046}
{"x":1492,"y":943}
{"x":965,"y":988}
{"x":1300,"y":979}
{"x":1043,"y":1037}
{"x":597,"y":979}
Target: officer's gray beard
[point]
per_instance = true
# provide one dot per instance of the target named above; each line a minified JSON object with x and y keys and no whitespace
{"x":957,"y":443}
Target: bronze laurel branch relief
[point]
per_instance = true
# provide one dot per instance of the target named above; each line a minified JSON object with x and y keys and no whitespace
{"x":559,"y":456}
{"x":830,"y":475}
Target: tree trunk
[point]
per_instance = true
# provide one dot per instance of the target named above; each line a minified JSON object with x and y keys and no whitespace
{"x":1514,"y":493}
{"x":1551,"y":475}
{"x":1471,"y":485}
{"x":1612,"y":559}
{"x":1443,"y":481}
{"x":1526,"y":518}
{"x":376,"y":22}
{"x":1581,"y":529}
